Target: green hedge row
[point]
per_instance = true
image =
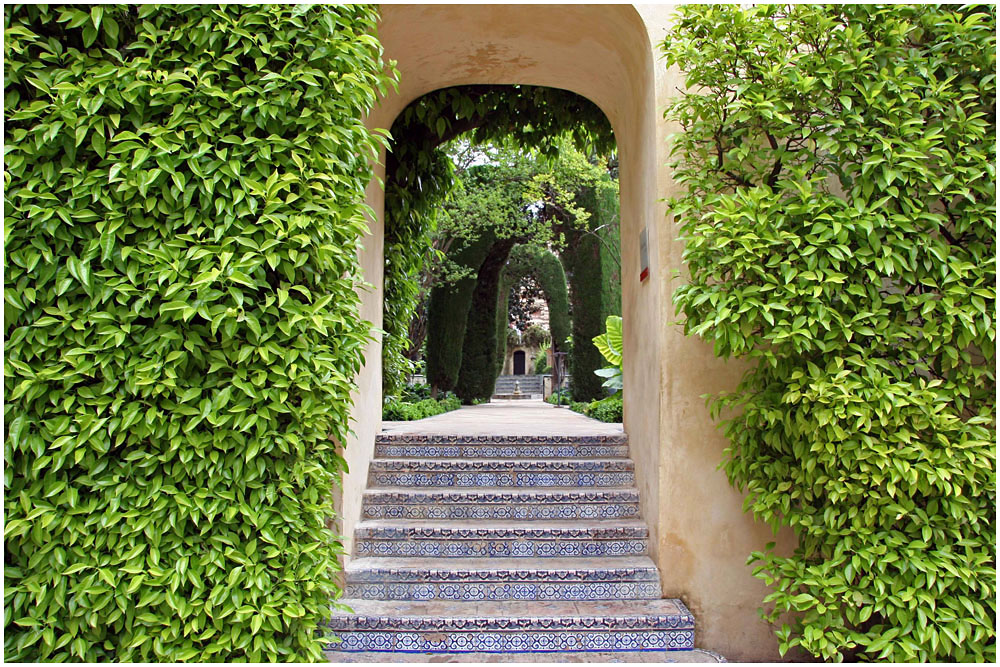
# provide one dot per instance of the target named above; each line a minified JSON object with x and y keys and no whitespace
{"x":399,"y":410}
{"x":184,"y":194}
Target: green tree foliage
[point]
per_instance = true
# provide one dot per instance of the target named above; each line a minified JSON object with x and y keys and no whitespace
{"x":448,"y":311}
{"x":184,"y":192}
{"x":419,"y":177}
{"x":580,"y":199}
{"x":478,"y":373}
{"x":839,"y":221}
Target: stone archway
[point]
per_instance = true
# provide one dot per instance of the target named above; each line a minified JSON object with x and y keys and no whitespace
{"x":698,"y":533}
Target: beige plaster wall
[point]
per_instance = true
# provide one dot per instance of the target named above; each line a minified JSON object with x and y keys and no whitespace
{"x":699,"y":535}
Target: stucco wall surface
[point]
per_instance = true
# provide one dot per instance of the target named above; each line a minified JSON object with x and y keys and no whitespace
{"x":699,"y":535}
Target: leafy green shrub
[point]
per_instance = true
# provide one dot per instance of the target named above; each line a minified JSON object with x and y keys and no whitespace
{"x":610,"y":344}
{"x":559,"y":397}
{"x":398,"y":410}
{"x":415,"y":392}
{"x":839,"y":223}
{"x":579,"y":406}
{"x":608,"y":410}
{"x":184,"y":193}
{"x":542,"y":366}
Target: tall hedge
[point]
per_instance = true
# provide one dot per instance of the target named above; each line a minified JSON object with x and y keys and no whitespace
{"x":448,"y":311}
{"x":184,"y":194}
{"x":840,"y":231}
{"x":478,"y":373}
{"x":595,"y":291}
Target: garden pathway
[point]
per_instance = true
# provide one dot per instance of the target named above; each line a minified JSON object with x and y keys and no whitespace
{"x":532,"y":417}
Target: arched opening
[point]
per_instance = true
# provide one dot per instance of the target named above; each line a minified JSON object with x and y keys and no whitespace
{"x":604,"y":53}
{"x":599,"y":52}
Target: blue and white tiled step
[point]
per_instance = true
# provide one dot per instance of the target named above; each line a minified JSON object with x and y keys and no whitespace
{"x":504,"y":544}
{"x":500,"y":539}
{"x":497,"y":579}
{"x":509,"y":447}
{"x":511,"y":627}
{"x":580,"y":473}
{"x":500,"y":503}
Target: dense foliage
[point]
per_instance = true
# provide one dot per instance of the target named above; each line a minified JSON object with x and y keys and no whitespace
{"x":591,"y":264}
{"x":839,"y":221}
{"x":184,"y":192}
{"x":404,"y":408}
{"x":478,"y":372}
{"x":419,"y":177}
{"x":611,"y":345}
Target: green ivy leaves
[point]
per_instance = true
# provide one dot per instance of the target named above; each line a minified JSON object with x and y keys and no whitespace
{"x":184,"y":198}
{"x":839,"y":226}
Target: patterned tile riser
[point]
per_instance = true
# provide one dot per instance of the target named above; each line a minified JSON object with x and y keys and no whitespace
{"x":502,"y":512}
{"x":384,"y":575}
{"x":599,"y":531}
{"x":499,"y":549}
{"x":501,"y":451}
{"x":500,"y":496}
{"x":493,"y":479}
{"x":517,"y":641}
{"x":501,"y":465}
{"x":412,"y":439}
{"x":500,"y":592}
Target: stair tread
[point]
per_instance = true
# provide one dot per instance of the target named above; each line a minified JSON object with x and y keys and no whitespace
{"x":473,"y":565}
{"x":505,"y":524}
{"x":514,"y":609}
{"x":518,"y":491}
{"x":397,"y":438}
{"x":621,"y":461}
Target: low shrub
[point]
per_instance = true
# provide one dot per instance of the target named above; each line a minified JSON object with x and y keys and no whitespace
{"x":559,"y":397}
{"x":608,"y":410}
{"x":413,"y":393}
{"x":397,"y":410}
{"x":579,"y":406}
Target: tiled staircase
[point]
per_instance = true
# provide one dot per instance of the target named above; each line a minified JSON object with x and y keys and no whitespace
{"x":504,"y":544}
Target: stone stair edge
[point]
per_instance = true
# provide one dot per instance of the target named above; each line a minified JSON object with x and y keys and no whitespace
{"x":503,"y":464}
{"x":446,"y":439}
{"x":513,"y":613}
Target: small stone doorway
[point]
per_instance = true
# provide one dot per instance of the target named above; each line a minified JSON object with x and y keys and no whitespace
{"x":519,"y":362}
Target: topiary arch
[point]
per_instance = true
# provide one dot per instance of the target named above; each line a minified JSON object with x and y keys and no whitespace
{"x":544,"y":266}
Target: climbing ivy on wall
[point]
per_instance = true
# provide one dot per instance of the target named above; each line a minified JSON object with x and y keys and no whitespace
{"x":839,"y":222}
{"x":419,"y":176}
{"x":184,"y":192}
